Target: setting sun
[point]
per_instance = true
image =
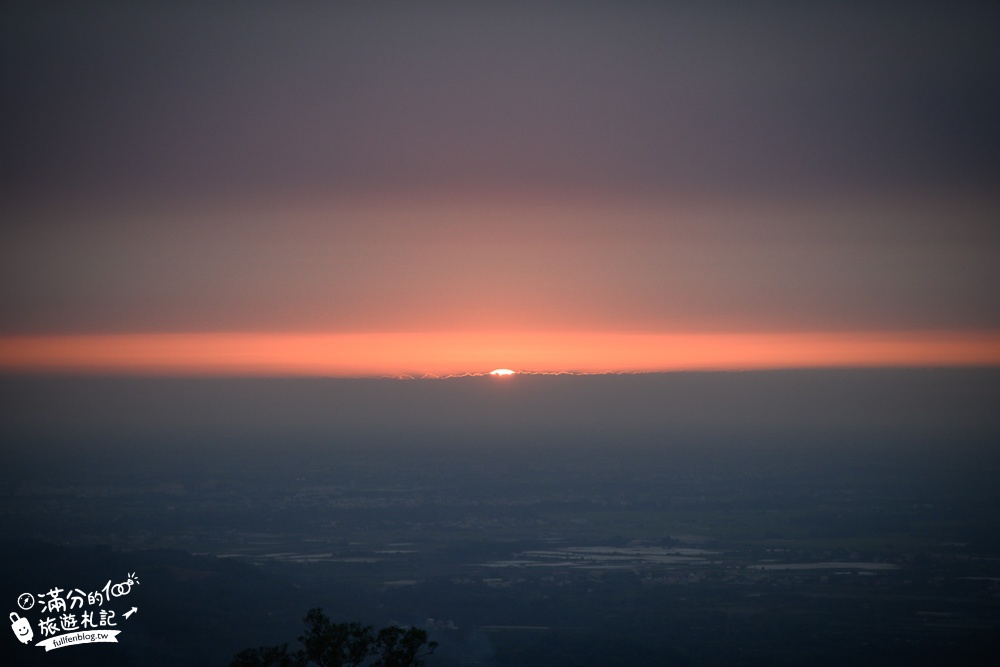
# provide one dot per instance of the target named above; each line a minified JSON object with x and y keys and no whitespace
{"x":502,"y":371}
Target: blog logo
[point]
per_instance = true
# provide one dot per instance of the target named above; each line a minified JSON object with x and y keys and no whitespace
{"x":74,"y":616}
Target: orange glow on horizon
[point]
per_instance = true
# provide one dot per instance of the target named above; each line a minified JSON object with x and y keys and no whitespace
{"x":454,"y":353}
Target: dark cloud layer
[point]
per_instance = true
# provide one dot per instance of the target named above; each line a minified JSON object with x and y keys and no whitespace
{"x":667,"y":408}
{"x":451,"y":98}
{"x":539,"y":167}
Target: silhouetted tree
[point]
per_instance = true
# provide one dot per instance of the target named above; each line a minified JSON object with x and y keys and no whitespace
{"x":329,"y":644}
{"x":402,"y":647}
{"x":264,"y":656}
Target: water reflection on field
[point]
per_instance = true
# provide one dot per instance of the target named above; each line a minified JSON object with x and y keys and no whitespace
{"x":606,"y":557}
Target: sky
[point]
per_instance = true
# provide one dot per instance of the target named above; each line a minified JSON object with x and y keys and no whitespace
{"x":446,"y":189}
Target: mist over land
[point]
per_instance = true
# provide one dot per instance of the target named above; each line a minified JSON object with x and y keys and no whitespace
{"x":688,"y":518}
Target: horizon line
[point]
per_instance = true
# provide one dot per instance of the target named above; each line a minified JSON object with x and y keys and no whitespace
{"x":457,"y":354}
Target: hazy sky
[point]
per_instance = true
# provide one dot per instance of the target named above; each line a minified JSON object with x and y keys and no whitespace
{"x":571,"y":167}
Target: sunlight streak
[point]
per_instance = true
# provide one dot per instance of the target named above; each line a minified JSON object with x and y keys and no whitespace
{"x":450,"y":354}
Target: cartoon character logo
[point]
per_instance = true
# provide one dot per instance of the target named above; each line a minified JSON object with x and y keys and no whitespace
{"x":21,"y":628}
